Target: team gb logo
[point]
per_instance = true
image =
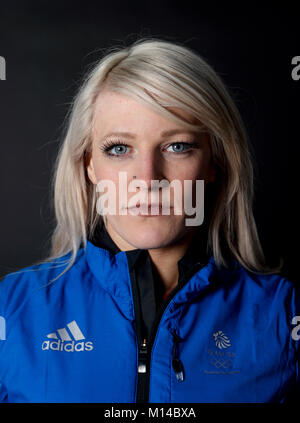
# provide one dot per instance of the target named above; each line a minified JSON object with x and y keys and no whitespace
{"x":222,"y":341}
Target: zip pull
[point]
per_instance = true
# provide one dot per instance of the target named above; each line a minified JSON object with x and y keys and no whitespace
{"x":176,"y":362}
{"x":142,"y":368}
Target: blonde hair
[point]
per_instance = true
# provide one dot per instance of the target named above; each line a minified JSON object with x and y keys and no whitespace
{"x":160,"y":74}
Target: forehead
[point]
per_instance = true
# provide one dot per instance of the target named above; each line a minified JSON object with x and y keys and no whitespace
{"x":118,"y":111}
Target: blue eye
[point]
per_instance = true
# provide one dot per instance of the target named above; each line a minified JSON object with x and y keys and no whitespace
{"x":184,"y":147}
{"x":120,"y":148}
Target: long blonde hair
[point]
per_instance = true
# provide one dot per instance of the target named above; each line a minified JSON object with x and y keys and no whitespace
{"x":160,"y":74}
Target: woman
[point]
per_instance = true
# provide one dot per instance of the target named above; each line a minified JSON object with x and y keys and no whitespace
{"x":139,"y":305}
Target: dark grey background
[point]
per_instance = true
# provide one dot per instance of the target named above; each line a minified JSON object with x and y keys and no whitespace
{"x":48,"y":46}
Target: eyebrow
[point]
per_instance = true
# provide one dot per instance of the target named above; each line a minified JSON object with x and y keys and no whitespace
{"x":163,"y":134}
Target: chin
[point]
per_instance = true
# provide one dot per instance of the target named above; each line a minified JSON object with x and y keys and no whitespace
{"x":146,"y":235}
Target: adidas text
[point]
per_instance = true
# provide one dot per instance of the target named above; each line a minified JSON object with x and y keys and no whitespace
{"x":67,"y":346}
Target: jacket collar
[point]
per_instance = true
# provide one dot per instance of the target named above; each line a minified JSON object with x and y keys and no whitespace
{"x":112,"y":272}
{"x":196,"y":254}
{"x":111,"y":268}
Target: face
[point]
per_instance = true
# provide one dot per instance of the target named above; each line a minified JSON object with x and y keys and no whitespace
{"x":147,"y":149}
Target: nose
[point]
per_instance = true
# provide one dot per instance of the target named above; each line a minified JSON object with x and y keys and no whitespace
{"x":148,"y":167}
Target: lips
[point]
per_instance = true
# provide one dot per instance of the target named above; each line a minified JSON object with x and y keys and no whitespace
{"x":148,"y":208}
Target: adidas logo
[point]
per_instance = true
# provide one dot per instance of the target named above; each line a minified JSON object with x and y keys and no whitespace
{"x":69,"y":341}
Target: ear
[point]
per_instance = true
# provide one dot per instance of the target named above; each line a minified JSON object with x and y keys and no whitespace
{"x":90,"y":168}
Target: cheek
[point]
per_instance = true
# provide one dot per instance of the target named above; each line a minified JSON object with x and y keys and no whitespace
{"x":104,"y":171}
{"x":195,"y":169}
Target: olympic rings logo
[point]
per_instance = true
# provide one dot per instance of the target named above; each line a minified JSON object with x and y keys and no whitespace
{"x":221,"y":363}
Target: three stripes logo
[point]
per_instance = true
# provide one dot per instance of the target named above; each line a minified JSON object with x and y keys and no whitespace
{"x":69,"y":339}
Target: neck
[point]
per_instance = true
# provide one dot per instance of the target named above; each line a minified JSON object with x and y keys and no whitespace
{"x":164,"y":259}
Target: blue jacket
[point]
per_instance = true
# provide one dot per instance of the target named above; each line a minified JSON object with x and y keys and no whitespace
{"x":224,"y":336}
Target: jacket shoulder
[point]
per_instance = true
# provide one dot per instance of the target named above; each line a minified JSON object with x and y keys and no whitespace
{"x":268,"y":282}
{"x":17,"y":286}
{"x":274,"y":291}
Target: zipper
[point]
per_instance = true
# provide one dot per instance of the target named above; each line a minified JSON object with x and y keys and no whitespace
{"x":143,"y":373}
{"x":142,"y":393}
{"x":176,"y":362}
{"x":142,"y":368}
{"x":145,"y":345}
